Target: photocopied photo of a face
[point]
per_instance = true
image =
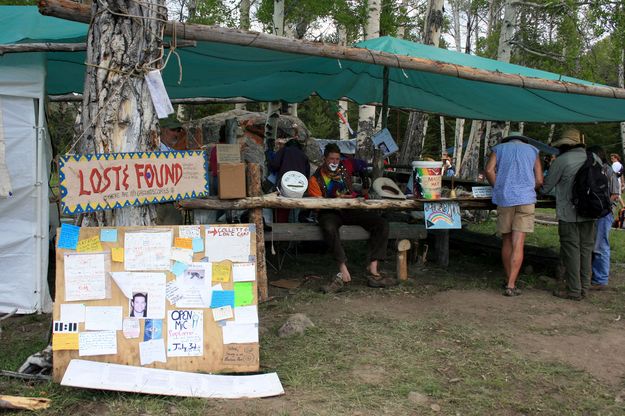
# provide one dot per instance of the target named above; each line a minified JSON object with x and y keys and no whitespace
{"x":138,"y":305}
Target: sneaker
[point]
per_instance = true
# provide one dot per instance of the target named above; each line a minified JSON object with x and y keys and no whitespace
{"x":336,"y":285}
{"x":381,"y":282}
{"x":511,"y":291}
{"x":563,"y":294}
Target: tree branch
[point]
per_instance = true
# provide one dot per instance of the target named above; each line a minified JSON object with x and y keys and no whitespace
{"x":549,"y":55}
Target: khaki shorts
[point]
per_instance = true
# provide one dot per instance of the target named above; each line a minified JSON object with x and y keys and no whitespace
{"x":516,"y":218}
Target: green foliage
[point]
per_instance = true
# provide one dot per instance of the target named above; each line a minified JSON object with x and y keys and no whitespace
{"x":320,"y":117}
{"x":214,"y":12}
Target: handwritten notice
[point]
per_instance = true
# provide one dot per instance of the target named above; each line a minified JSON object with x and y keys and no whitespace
{"x":240,"y":354}
{"x":234,"y":333}
{"x":183,"y":255}
{"x":228,"y":243}
{"x":243,"y":293}
{"x":224,"y":312}
{"x":73,"y":312}
{"x":97,"y":343}
{"x":185,"y":333}
{"x":222,"y":298}
{"x":482,"y":191}
{"x":68,"y":238}
{"x":173,"y":292}
{"x":92,"y":183}
{"x":147,"y":250}
{"x":85,"y":276}
{"x":108,"y":235}
{"x":131,"y":328}
{"x":89,"y":245}
{"x":158,"y":93}
{"x":117,"y":254}
{"x":65,"y":341}
{"x":189,"y":231}
{"x":152,"y":351}
{"x":221,"y":271}
{"x":103,"y":318}
{"x":246,"y":314}
{"x":243,"y":272}
{"x":183,"y":243}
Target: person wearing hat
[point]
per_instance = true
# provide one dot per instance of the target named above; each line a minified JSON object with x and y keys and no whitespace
{"x":515,"y":172}
{"x":331,"y":180}
{"x":577,"y":233}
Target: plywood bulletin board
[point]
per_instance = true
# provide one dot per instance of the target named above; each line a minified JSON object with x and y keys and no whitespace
{"x":216,"y":356}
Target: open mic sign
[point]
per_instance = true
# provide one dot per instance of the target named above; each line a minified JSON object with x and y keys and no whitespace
{"x":65,"y":326}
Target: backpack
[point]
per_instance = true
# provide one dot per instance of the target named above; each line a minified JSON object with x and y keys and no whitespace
{"x":591,"y":191}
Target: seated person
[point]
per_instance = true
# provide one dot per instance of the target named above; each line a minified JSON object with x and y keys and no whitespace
{"x":331,"y":180}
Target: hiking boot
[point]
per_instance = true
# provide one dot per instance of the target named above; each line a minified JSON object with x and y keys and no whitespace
{"x":336,"y":285}
{"x":511,"y":291}
{"x":563,"y":294}
{"x":381,"y":282}
{"x":598,"y":287}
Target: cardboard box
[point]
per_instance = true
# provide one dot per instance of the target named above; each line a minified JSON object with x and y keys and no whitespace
{"x":231,"y":180}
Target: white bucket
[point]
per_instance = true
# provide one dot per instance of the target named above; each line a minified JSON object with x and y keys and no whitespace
{"x":427,"y":179}
{"x":293,"y":184}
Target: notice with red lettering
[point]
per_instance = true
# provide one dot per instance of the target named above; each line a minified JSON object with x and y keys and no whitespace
{"x":85,"y":276}
{"x":105,"y":181}
{"x":185,"y":333}
{"x":228,"y":243}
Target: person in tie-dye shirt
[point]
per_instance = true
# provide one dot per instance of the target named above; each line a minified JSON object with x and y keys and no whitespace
{"x":331,"y":180}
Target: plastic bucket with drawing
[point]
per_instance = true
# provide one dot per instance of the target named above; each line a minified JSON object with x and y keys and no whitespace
{"x":293,"y":184}
{"x":427,"y":179}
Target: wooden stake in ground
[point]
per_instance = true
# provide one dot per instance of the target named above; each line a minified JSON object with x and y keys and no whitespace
{"x":402,"y":259}
{"x":256,"y":216}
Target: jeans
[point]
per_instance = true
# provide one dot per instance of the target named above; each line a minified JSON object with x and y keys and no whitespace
{"x":576,"y":245}
{"x":601,"y":252}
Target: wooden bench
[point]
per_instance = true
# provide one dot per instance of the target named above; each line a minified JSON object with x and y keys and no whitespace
{"x":312,"y":232}
{"x":402,"y":232}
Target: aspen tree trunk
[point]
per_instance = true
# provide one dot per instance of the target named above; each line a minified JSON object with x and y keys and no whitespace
{"x":552,"y":129}
{"x":403,"y":11}
{"x":343,"y":105}
{"x":117,"y":111}
{"x":506,"y":35}
{"x":455,"y":11}
{"x":244,"y":23}
{"x":471,"y":162}
{"x":458,"y":144}
{"x":366,"y":113}
{"x":621,"y":84}
{"x":416,"y":129}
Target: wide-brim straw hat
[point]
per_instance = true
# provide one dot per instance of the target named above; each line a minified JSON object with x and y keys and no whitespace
{"x":569,"y":137}
{"x":386,"y":188}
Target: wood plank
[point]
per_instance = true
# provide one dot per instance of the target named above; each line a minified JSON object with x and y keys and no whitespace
{"x":312,"y":232}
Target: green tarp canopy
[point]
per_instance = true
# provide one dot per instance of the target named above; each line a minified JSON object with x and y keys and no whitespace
{"x":220,"y":70}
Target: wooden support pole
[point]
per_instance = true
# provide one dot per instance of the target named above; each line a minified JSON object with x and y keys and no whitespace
{"x":66,"y":9}
{"x":402,"y":259}
{"x":256,"y":216}
{"x":68,"y":47}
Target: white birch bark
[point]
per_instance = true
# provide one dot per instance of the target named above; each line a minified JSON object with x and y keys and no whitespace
{"x":416,"y":129}
{"x":117,"y":111}
{"x":621,"y":84}
{"x":506,"y":35}
{"x":366,"y":113}
{"x":443,"y":140}
{"x":244,"y":23}
{"x":343,"y":105}
{"x":458,"y":144}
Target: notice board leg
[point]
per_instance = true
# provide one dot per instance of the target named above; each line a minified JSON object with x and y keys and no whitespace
{"x":256,"y":216}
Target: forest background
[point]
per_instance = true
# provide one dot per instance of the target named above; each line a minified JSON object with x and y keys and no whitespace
{"x":581,"y":39}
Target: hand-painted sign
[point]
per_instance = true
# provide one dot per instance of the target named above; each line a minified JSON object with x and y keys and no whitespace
{"x":442,"y":215}
{"x":114,"y":180}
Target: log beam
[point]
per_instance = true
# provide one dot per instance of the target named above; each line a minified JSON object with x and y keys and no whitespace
{"x":69,"y":10}
{"x":69,"y":47}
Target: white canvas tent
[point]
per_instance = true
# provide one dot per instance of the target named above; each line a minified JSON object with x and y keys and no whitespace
{"x":24,"y":212}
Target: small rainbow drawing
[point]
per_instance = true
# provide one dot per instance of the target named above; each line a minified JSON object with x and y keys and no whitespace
{"x":440,"y":217}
